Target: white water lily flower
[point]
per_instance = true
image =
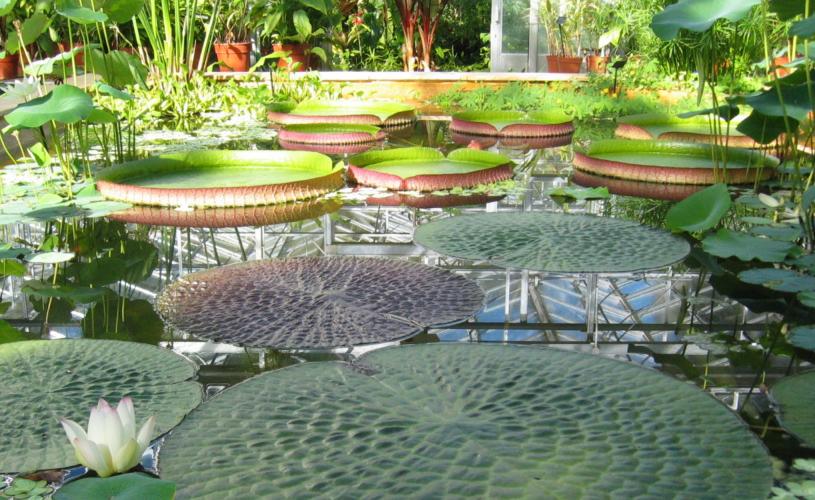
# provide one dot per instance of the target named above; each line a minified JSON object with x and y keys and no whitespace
{"x":111,"y":444}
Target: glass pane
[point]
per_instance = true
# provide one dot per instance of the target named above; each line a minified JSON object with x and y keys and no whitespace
{"x":515,"y":27}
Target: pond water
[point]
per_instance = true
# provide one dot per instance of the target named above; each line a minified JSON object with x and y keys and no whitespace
{"x":671,"y":319}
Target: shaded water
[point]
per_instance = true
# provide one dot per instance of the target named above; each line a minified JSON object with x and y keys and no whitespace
{"x":672,"y":319}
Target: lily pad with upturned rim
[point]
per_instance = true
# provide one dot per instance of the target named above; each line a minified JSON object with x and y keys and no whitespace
{"x":427,"y":169}
{"x":476,"y":421}
{"x":317,"y":303}
{"x":672,"y":162}
{"x":379,"y":113}
{"x":330,"y":134}
{"x":544,"y":123}
{"x":228,"y":217}
{"x":664,"y":127}
{"x":639,"y":189}
{"x":553,"y":242}
{"x":221,"y":178}
{"x":45,"y":380}
{"x":796,"y":401}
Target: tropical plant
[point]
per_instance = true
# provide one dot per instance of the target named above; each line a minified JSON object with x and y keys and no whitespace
{"x":295,"y":21}
{"x":420,"y":17}
{"x":235,"y":22}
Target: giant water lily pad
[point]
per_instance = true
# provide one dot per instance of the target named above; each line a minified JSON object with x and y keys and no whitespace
{"x":475,"y":421}
{"x":427,"y":169}
{"x":330,"y":133}
{"x":312,"y":303}
{"x":486,"y":141}
{"x":378,"y":113}
{"x":664,"y":127}
{"x":228,"y":217}
{"x":221,"y":178}
{"x":513,"y":123}
{"x":673,"y":162}
{"x":46,"y":380}
{"x":796,"y":400}
{"x":625,"y":187}
{"x":554,"y":242}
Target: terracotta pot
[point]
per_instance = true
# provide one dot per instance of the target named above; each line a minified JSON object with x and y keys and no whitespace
{"x":563,"y":64}
{"x":596,"y":64}
{"x":777,"y":63}
{"x":233,"y":56}
{"x":79,"y":57}
{"x":299,"y":53}
{"x":9,"y":66}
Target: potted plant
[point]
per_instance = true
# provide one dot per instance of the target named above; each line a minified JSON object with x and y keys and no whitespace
{"x":564,"y":34}
{"x":232,"y":44}
{"x":9,"y":63}
{"x":290,"y":26}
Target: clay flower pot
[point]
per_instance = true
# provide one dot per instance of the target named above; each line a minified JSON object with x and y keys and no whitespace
{"x":79,"y":57}
{"x":233,"y":56}
{"x":9,"y":66}
{"x":596,"y":64}
{"x":299,"y":53}
{"x":563,"y":64}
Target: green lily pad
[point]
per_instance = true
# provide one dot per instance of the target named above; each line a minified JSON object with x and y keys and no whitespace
{"x":133,"y":486}
{"x":317,"y":303}
{"x":782,"y":280}
{"x":554,"y":242}
{"x":579,"y":193}
{"x":477,"y":421}
{"x":803,"y":337}
{"x":427,"y":169}
{"x":64,"y":104}
{"x":807,"y":299}
{"x":345,"y":111}
{"x":780,"y":233}
{"x":79,"y":372}
{"x":221,"y":178}
{"x":796,"y":399}
{"x":700,"y":211}
{"x":673,"y":162}
{"x":662,"y":126}
{"x":533,"y":123}
{"x":726,"y":243}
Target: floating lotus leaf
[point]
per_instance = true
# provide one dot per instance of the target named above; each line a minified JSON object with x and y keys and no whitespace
{"x":554,"y":242}
{"x":782,"y":280}
{"x":664,"y":127}
{"x":513,"y":123}
{"x":44,"y":380}
{"x":221,"y":178}
{"x":426,"y":169}
{"x":796,"y":400}
{"x":360,"y":112}
{"x":228,"y":217}
{"x":726,"y":243}
{"x":312,"y":303}
{"x":672,"y":162}
{"x":330,"y":133}
{"x":486,"y":141}
{"x":780,"y":232}
{"x":803,"y":337}
{"x":624,"y":187}
{"x":475,"y":421}
{"x":700,"y":211}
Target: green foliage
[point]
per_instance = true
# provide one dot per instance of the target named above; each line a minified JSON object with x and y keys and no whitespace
{"x":21,"y":488}
{"x":133,"y":486}
{"x":700,"y":211}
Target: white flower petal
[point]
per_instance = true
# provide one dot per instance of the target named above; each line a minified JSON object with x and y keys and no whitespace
{"x":92,"y":457}
{"x":127,"y":456}
{"x":96,"y":425}
{"x":127,"y":415}
{"x":73,"y":430}
{"x":146,"y":434}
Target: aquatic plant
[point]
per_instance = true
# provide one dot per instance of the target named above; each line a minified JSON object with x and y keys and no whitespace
{"x":133,"y":485}
{"x":111,"y":444}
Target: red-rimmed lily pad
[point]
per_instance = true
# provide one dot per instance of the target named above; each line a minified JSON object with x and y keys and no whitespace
{"x":546,"y":123}
{"x":554,"y":242}
{"x":330,"y":134}
{"x":427,"y":169}
{"x":379,"y":113}
{"x":485,"y":141}
{"x":221,"y":178}
{"x":664,"y":127}
{"x":796,"y":399}
{"x":431,"y":200}
{"x":263,"y":215}
{"x":673,"y":162}
{"x":317,"y":303}
{"x":624,"y":187}
{"x":457,"y":420}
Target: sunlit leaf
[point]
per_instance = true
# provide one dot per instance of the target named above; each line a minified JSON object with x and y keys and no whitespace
{"x":64,"y":104}
{"x":698,"y":15}
{"x":727,"y":243}
{"x":700,"y":211}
